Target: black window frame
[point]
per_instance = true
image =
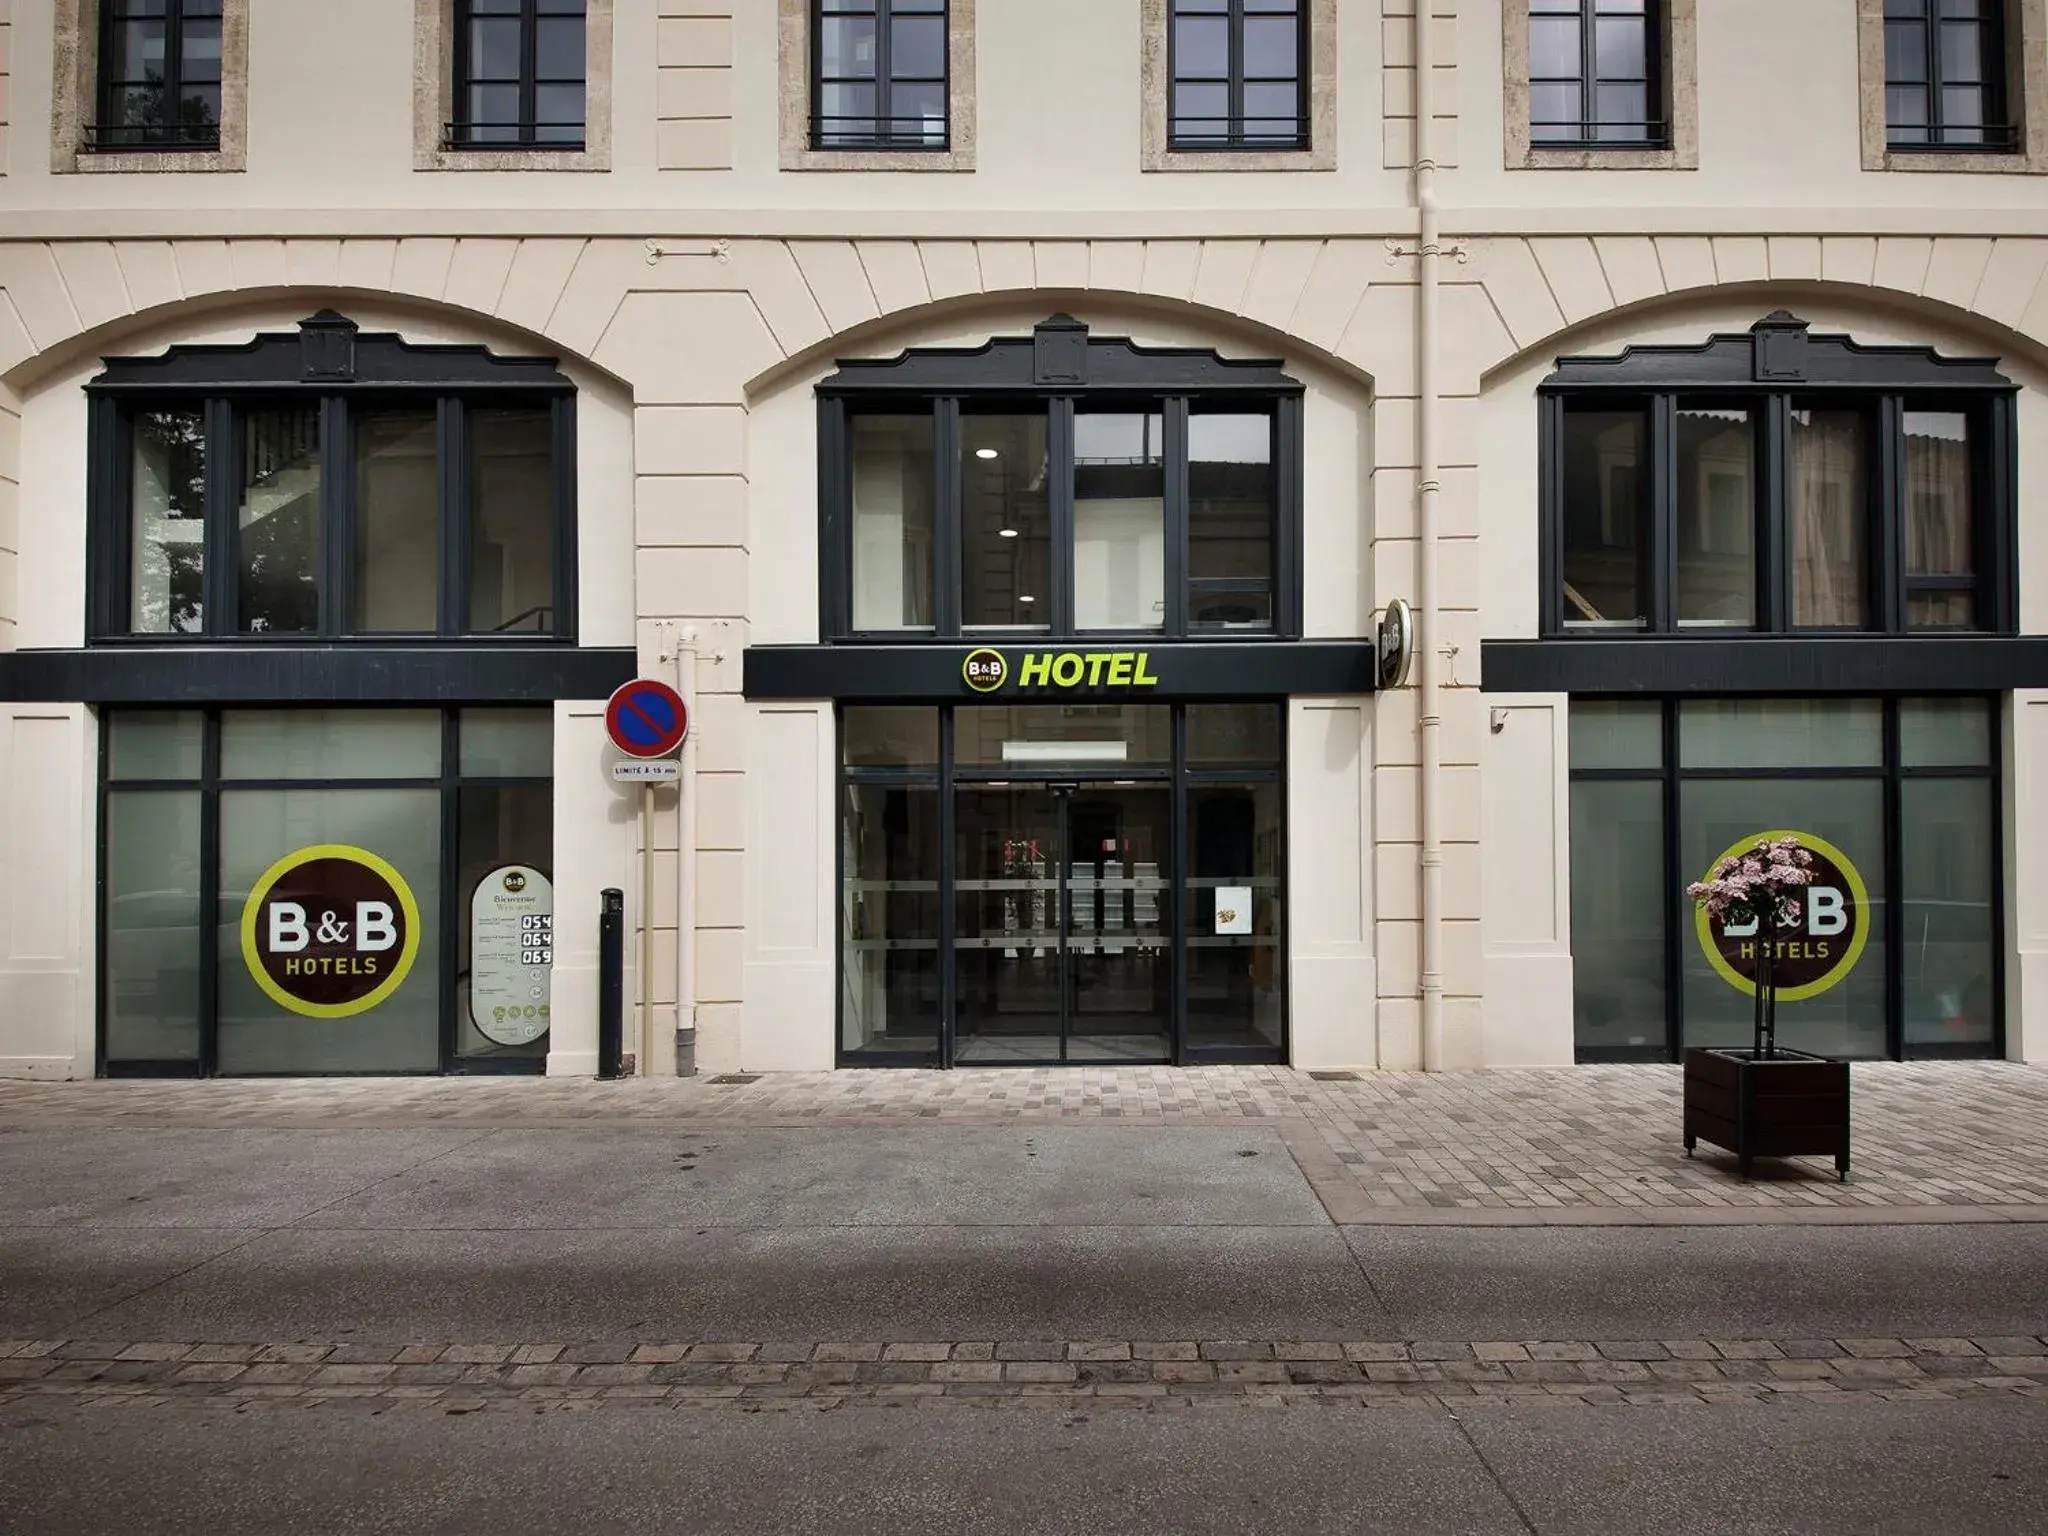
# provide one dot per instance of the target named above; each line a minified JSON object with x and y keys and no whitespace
{"x":331,"y":365}
{"x":209,"y":783}
{"x":1891,"y":773}
{"x":883,"y":132}
{"x":1773,"y":369}
{"x":1234,"y":136}
{"x":463,"y":132}
{"x":110,"y":135}
{"x":1655,"y":130}
{"x":1998,"y":130}
{"x":1058,"y":368}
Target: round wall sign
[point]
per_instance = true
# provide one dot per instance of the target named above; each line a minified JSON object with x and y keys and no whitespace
{"x":1823,"y":946}
{"x":984,"y":670}
{"x":1396,"y":643}
{"x":330,"y":931}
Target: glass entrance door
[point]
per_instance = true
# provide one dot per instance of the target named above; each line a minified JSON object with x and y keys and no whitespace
{"x":1062,"y":933}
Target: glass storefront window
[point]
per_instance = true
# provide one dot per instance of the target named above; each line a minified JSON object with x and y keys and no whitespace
{"x":889,"y":919}
{"x":321,"y":830}
{"x":1618,"y":906}
{"x":1005,"y":523}
{"x":398,"y":508}
{"x":892,"y":521}
{"x":1230,"y":521}
{"x":1949,"y":934}
{"x":277,"y":526}
{"x":167,"y":537}
{"x":1717,"y":486}
{"x":1233,"y":735}
{"x":511,"y":520}
{"x":1236,"y":904}
{"x":1610,"y":733}
{"x":1063,"y":735}
{"x":1780,"y":733}
{"x":1945,"y":733}
{"x":889,"y":736}
{"x":1119,"y":520}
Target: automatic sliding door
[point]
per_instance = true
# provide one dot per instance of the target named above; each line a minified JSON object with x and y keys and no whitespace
{"x":1119,"y":924}
{"x":1007,"y":958}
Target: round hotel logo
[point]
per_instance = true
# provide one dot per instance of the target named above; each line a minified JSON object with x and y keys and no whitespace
{"x":1819,"y":950}
{"x":984,"y":670}
{"x":330,"y":931}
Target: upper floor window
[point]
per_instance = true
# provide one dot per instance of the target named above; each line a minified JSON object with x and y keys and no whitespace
{"x":1945,"y":75}
{"x":1778,"y":482}
{"x":330,"y":484}
{"x":159,"y":75}
{"x":520,"y":68}
{"x":1059,"y":485}
{"x":879,"y":74}
{"x":1594,"y":74}
{"x":1238,"y":69}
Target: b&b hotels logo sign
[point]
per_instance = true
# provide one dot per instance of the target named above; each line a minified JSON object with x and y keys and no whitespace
{"x":330,"y":931}
{"x":1819,"y":950}
{"x":986,"y":670}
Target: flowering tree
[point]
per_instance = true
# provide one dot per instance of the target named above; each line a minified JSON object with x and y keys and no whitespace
{"x":1760,"y":885}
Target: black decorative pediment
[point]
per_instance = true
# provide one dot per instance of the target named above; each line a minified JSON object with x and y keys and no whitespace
{"x":1059,"y":356}
{"x":328,"y":354}
{"x":1779,"y":352}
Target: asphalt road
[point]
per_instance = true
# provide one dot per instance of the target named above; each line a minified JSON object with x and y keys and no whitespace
{"x":949,"y":1232}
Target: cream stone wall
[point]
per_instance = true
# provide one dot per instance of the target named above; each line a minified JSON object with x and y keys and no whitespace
{"x":697,"y":290}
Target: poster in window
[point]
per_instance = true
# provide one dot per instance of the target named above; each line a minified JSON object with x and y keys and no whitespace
{"x":511,"y":954}
{"x":1233,"y":909}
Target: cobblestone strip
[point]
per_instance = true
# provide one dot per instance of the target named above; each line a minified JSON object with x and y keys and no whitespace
{"x":1138,"y":1372}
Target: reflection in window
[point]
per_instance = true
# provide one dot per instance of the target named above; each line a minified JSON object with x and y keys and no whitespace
{"x":892,"y":521}
{"x":159,"y":75}
{"x":880,"y":74}
{"x":1230,"y":521}
{"x":1119,"y":520}
{"x":167,"y":500}
{"x":1716,"y":517}
{"x":1047,"y":735}
{"x":1604,"y":504}
{"x":889,"y":918}
{"x":397,"y":532}
{"x":519,"y":74}
{"x":1592,"y":73}
{"x":1829,"y":511}
{"x":277,"y":528}
{"x":1940,"y":561}
{"x":1239,"y":80}
{"x":1005,"y":527}
{"x":512,"y":519}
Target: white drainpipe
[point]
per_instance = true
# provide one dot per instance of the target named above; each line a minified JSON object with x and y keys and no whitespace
{"x":1430,"y":796}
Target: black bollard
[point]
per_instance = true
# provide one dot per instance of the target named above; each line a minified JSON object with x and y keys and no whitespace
{"x":611,"y":982}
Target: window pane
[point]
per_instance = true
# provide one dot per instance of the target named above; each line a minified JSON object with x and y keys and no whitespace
{"x":847,"y":114}
{"x":167,"y":511}
{"x":1048,"y":735}
{"x":153,"y":743}
{"x":1202,"y":111}
{"x":259,"y":827}
{"x":1556,"y":113}
{"x":199,"y":53}
{"x":1716,"y":518}
{"x":135,"y":53}
{"x":917,"y":113}
{"x":1272,"y":48}
{"x":846,"y":47}
{"x":1201,"y":48}
{"x":1119,"y":521}
{"x":1947,"y":834}
{"x":1623,"y":112}
{"x":892,"y":522}
{"x":1230,"y":521}
{"x":503,"y":1007}
{"x":507,"y":743}
{"x":1005,"y":532}
{"x":1614,"y":733}
{"x":154,"y":935}
{"x":558,"y":114}
{"x":558,"y":49}
{"x":917,"y":48}
{"x":1780,"y":733}
{"x":277,"y":528}
{"x":1938,"y":527}
{"x":1944,"y":733}
{"x":397,"y":532}
{"x":1554,"y":48}
{"x":889,"y":918}
{"x":1604,"y":503}
{"x":1236,"y":905}
{"x":1848,"y":1018}
{"x":1941,"y":610}
{"x":1619,"y":901}
{"x":1233,"y":735}
{"x":889,"y":736}
{"x":493,"y":114}
{"x":1830,"y":521}
{"x":512,"y":519}
{"x":494,"y":49}
{"x":330,"y":744}
{"x":1962,"y":53}
{"x":1619,"y":53}
{"x":1905,"y":53}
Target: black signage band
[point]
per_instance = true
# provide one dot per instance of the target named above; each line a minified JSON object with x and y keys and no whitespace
{"x":1130,"y":671}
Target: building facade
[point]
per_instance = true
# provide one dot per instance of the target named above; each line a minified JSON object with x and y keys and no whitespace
{"x":1006,"y":424}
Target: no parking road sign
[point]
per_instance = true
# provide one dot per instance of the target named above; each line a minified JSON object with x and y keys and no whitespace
{"x":646,"y":718}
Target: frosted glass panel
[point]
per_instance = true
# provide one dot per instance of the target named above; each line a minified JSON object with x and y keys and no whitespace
{"x":152,"y":925}
{"x":1781,"y":733}
{"x":330,"y":744}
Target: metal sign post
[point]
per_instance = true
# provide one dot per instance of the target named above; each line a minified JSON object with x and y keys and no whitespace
{"x":647,"y":721}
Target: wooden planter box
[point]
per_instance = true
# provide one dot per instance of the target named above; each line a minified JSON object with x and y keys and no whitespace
{"x":1787,"y":1105}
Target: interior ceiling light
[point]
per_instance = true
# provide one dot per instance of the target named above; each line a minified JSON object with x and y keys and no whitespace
{"x":1010,"y":533}
{"x":986,"y":453}
{"x":1027,"y":598}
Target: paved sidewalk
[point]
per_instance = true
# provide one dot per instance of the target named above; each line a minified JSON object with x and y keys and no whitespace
{"x":1579,"y":1145}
